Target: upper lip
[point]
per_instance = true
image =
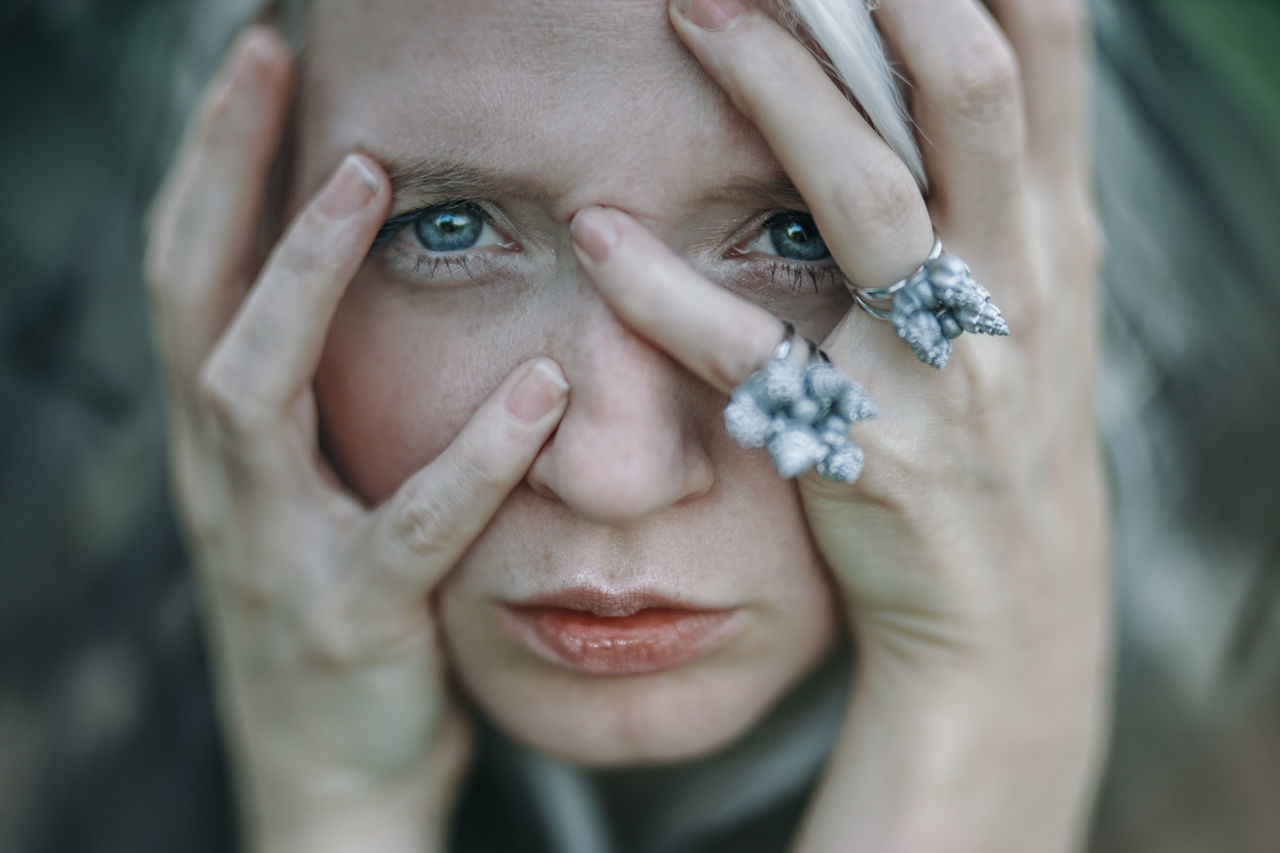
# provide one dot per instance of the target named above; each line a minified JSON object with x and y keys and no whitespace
{"x":608,"y":603}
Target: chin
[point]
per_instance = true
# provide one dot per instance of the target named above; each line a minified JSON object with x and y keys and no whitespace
{"x":677,"y":715}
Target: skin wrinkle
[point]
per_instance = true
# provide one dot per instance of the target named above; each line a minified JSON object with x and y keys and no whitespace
{"x":424,"y":181}
{"x":639,"y":488}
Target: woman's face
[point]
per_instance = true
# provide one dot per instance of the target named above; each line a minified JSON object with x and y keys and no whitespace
{"x":533,"y":111}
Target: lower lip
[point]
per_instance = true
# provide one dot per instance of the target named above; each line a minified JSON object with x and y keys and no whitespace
{"x":651,"y":640}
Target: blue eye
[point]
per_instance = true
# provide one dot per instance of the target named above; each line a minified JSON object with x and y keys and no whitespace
{"x":452,"y":228}
{"x":443,"y":229}
{"x":792,"y":235}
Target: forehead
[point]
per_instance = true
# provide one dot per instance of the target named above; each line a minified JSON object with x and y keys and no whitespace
{"x":560,"y":88}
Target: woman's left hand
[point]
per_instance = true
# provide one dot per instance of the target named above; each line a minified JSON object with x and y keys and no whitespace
{"x":972,"y":551}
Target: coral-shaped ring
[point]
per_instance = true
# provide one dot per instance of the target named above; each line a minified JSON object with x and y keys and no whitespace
{"x":801,"y":412}
{"x":934,"y":305}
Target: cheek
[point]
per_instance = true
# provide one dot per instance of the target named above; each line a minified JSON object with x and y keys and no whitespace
{"x":399,"y":379}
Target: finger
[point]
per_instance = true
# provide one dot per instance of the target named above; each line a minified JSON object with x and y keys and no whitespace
{"x":268,"y":356}
{"x":1051,"y":40}
{"x":719,"y":337}
{"x":862,"y":196}
{"x":422,"y":530}
{"x":966,"y":100}
{"x":202,"y":225}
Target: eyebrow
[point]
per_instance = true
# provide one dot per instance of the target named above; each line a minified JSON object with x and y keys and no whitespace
{"x":774,"y":191}
{"x":450,"y":180}
{"x":455,"y":180}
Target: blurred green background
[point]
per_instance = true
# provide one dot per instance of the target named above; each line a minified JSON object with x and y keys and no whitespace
{"x":96,"y":615}
{"x":1240,"y":39}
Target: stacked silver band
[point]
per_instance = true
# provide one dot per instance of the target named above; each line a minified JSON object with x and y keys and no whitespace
{"x":933,"y":305}
{"x":801,"y":412}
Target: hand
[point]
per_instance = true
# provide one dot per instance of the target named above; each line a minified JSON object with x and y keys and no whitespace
{"x":971,"y":552}
{"x":329,"y":671}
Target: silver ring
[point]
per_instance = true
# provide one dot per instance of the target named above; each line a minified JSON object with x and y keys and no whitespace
{"x":876,"y":294}
{"x":933,"y":305}
{"x":783,"y":349}
{"x":800,"y":412}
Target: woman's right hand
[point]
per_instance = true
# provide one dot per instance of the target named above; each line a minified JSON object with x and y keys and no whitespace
{"x":342,"y":732}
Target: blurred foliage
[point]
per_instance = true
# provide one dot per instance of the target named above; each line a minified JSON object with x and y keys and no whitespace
{"x":1240,"y":39}
{"x":96,"y":617}
{"x":106,"y":726}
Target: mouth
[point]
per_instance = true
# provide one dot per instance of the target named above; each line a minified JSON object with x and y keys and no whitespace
{"x":601,"y":633}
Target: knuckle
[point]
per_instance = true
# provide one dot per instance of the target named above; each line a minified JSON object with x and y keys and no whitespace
{"x":224,"y":393}
{"x":213,"y":125}
{"x":435,"y":521}
{"x":258,"y":589}
{"x":245,"y":584}
{"x":420,"y":524}
{"x":751,"y":74}
{"x":310,"y":249}
{"x":330,"y":635}
{"x":474,"y":469}
{"x":337,"y":633}
{"x":984,"y":84}
{"x":160,"y":264}
{"x":987,"y":391}
{"x":887,"y":197}
{"x":204,"y":519}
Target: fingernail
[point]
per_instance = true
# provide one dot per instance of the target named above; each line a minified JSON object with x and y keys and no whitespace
{"x":593,"y":233}
{"x":252,"y":51}
{"x":710,"y":14}
{"x":349,"y":190}
{"x":538,"y":392}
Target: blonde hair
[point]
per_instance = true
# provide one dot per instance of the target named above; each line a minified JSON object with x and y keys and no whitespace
{"x":855,"y":53}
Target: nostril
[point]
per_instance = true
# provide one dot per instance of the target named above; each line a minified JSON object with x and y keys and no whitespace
{"x":631,"y":441}
{"x":613,"y":482}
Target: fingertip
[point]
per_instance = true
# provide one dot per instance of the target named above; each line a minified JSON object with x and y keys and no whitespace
{"x":262,"y":47}
{"x":371,"y":172}
{"x":539,"y":392}
{"x":350,"y":189}
{"x":710,"y":15}
{"x":252,"y":87}
{"x":553,"y":372}
{"x":595,"y":232}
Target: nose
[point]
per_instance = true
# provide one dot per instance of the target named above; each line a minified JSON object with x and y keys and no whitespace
{"x":628,"y":444}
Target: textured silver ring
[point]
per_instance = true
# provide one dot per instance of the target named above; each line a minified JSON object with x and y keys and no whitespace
{"x":867,"y":295}
{"x":801,"y":412}
{"x":932,"y":306}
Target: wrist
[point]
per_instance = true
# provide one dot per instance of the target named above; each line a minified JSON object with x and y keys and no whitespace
{"x":393,"y":822}
{"x":345,"y":810}
{"x":409,"y":814}
{"x":996,"y":767}
{"x":961,"y":761}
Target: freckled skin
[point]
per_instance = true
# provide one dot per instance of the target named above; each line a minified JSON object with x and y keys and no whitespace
{"x":640,"y":487}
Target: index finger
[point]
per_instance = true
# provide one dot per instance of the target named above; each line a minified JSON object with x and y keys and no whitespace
{"x":643,"y":280}
{"x":862,"y":196}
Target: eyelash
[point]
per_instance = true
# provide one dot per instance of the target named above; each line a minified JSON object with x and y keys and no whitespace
{"x":796,"y":274}
{"x":432,"y":263}
{"x":463,"y":260}
{"x":799,"y":272}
